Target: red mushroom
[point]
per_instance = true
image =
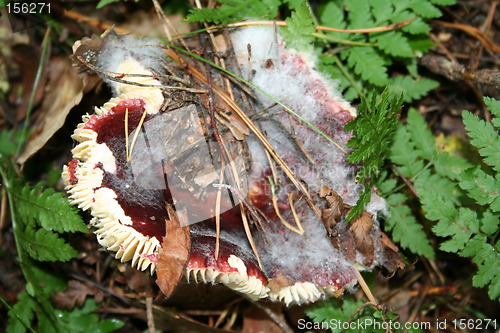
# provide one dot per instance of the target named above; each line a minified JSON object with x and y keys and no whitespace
{"x":132,"y":158}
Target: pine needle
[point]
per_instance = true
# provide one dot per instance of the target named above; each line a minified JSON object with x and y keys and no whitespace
{"x":137,"y":130}
{"x":126,"y":135}
{"x":298,"y":230}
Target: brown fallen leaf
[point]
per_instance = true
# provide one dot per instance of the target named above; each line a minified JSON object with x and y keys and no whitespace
{"x":64,"y":90}
{"x":336,"y":209}
{"x":343,"y":240}
{"x":173,"y":255}
{"x":76,"y":294}
{"x":256,"y":320}
{"x":361,"y":228}
{"x":393,"y":260}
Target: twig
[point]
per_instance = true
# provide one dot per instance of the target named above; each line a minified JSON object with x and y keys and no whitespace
{"x":474,"y":32}
{"x":92,"y":22}
{"x":300,"y":230}
{"x":405,"y":180}
{"x":106,"y":290}
{"x":3,"y":212}
{"x":149,"y":314}
{"x":319,"y":27}
{"x":274,"y":317}
{"x":117,"y":77}
{"x":457,"y":72}
{"x":294,"y":213}
{"x":365,"y":288}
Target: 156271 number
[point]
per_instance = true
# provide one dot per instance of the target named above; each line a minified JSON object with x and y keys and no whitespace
{"x":476,"y":324}
{"x":28,"y":7}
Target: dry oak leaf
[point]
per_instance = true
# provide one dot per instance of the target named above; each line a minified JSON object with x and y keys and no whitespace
{"x":174,"y":254}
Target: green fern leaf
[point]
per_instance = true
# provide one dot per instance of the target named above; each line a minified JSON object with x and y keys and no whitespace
{"x":485,"y":138}
{"x":412,"y":89}
{"x":235,"y":10}
{"x":425,"y":9}
{"x":487,"y":259}
{"x":404,"y":154}
{"x":382,"y":11}
{"x":103,"y":3}
{"x":428,"y":181}
{"x":84,"y":319}
{"x":299,"y":27}
{"x":483,"y":188}
{"x":325,"y":311}
{"x":48,"y":208}
{"x":461,"y":231}
{"x":331,"y":15}
{"x":438,"y":208}
{"x":402,"y":223}
{"x":494,"y":107}
{"x":9,"y":141}
{"x":373,"y":130}
{"x":450,"y":166}
{"x":21,"y":314}
{"x":359,"y":14}
{"x":417,"y":27}
{"x":368,"y":64}
{"x":294,"y":4}
{"x":490,"y":223}
{"x":421,"y":135}
{"x":394,"y":43}
{"x":44,"y":245}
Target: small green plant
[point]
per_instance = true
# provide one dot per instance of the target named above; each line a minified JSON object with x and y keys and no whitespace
{"x":373,"y":131}
{"x":40,"y":217}
{"x":350,"y":315}
{"x":461,"y":198}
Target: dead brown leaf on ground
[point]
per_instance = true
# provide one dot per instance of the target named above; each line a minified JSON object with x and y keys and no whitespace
{"x":173,"y":255}
{"x":63,"y":91}
{"x":360,"y":228}
{"x":76,"y":294}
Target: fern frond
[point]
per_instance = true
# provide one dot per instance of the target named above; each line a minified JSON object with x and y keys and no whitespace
{"x":487,"y":258}
{"x":485,"y":138}
{"x":368,"y":63}
{"x":402,"y":223}
{"x":360,"y":15}
{"x":394,"y":44}
{"x":412,"y":89}
{"x":48,"y":208}
{"x":463,"y":199}
{"x":326,"y":311}
{"x":299,"y":29}
{"x":494,"y":107}
{"x":373,"y":130}
{"x":482,"y":187}
{"x":21,"y":314}
{"x":403,"y":153}
{"x":422,"y":137}
{"x":235,"y":10}
{"x":44,"y":245}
